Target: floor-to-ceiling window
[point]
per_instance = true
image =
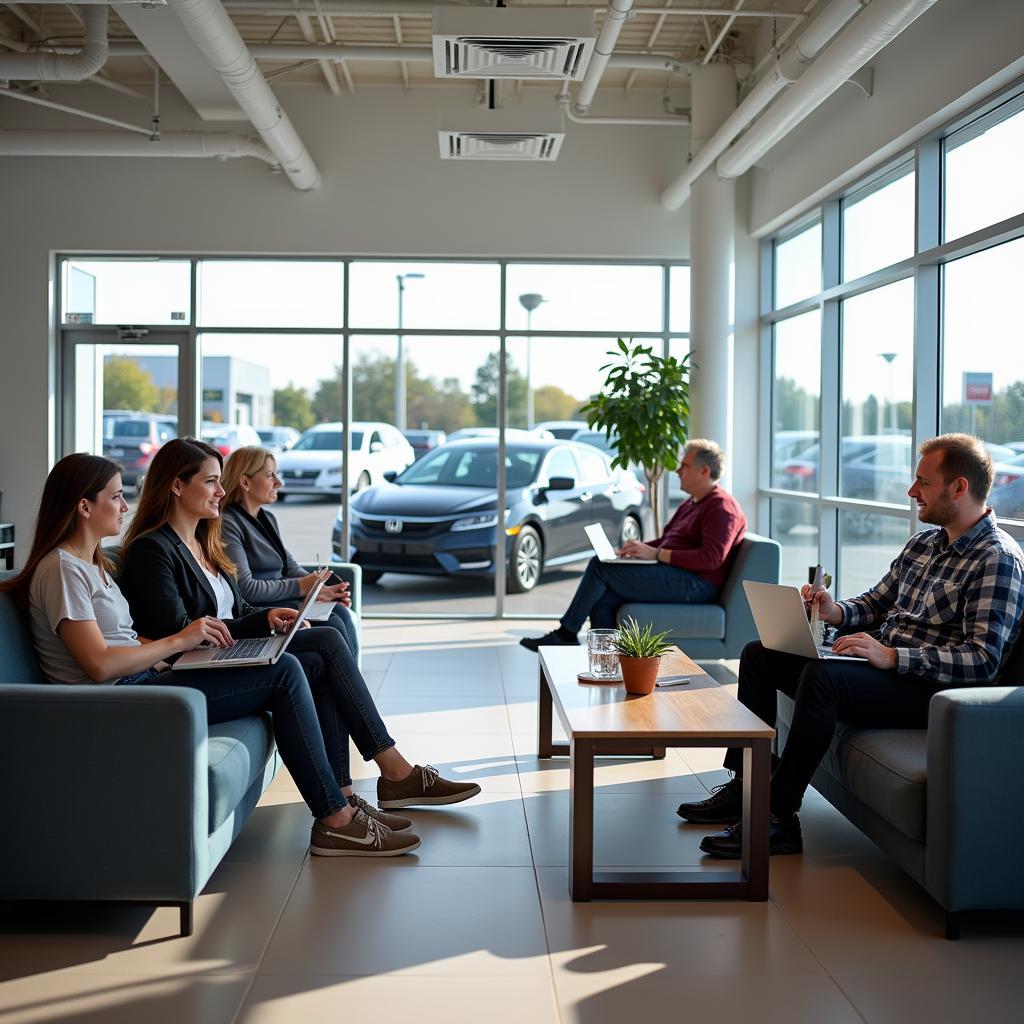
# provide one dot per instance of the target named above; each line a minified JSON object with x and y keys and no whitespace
{"x":891,"y":314}
{"x":275,"y":351}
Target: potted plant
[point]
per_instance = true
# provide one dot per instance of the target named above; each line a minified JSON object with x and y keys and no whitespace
{"x":645,"y":404}
{"x":640,"y":650}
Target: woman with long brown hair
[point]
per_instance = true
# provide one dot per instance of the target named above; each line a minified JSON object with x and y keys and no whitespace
{"x":267,"y":574}
{"x":83,"y":633}
{"x":176,"y":570}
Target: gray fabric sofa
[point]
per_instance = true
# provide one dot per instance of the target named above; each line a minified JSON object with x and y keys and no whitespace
{"x":120,"y":793}
{"x":722,"y":629}
{"x":946,"y":803}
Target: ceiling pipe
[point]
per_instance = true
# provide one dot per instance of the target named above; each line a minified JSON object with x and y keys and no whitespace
{"x":215,"y":34}
{"x":565,"y":102}
{"x":58,"y":67}
{"x":789,"y":66}
{"x":614,"y":19}
{"x":219,"y":145}
{"x":878,"y":26}
{"x":40,"y":101}
{"x":348,"y":8}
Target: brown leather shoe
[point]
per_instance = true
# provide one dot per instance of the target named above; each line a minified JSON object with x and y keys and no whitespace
{"x":361,"y":837}
{"x":395,"y":822}
{"x":423,"y":787}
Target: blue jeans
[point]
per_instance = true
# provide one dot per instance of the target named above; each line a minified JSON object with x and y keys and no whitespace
{"x":341,"y":620}
{"x":344,"y":706}
{"x":606,"y":587}
{"x":283,"y":690}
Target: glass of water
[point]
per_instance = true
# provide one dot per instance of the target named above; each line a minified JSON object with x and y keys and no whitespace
{"x":604,"y":658}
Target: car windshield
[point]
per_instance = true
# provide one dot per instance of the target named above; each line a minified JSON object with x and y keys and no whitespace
{"x":131,"y":428}
{"x":266,"y":435}
{"x":326,"y":441}
{"x":473,"y":467}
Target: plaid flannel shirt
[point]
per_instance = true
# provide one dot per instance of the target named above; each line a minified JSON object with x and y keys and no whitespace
{"x":951,"y":611}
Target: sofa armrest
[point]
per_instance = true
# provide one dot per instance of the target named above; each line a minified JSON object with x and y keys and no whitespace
{"x":975,"y":814}
{"x":352,"y":574}
{"x":105,"y":792}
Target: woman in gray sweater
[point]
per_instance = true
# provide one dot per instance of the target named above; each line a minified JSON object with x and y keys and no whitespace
{"x":268,"y":575}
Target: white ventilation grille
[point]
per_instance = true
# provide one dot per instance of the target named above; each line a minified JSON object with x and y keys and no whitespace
{"x":512,"y":135}
{"x":512,"y":43}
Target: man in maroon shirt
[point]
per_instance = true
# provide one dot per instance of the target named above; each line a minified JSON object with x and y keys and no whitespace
{"x":695,"y":553}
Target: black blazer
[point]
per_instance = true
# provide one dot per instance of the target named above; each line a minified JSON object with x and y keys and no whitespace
{"x":166,"y":589}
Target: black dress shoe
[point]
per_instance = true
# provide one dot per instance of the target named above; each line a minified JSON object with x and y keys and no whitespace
{"x":784,"y":836}
{"x":725,"y":805}
{"x":552,"y":639}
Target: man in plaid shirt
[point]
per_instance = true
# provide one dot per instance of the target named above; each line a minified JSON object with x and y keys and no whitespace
{"x":945,"y":615}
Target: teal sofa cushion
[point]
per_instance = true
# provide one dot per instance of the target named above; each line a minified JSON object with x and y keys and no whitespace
{"x":238,"y":754}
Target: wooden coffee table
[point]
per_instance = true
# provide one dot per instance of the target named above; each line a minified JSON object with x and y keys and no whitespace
{"x":602,"y":719}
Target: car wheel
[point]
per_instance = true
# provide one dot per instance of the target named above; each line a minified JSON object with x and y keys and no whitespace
{"x":363,"y":482}
{"x":370,"y":576}
{"x":630,"y":530}
{"x":525,"y":561}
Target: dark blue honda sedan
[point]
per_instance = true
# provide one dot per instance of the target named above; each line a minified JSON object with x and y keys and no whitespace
{"x":440,"y":516}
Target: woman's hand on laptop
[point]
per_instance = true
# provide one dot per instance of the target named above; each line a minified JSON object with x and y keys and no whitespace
{"x":863,"y":645}
{"x":282,"y":619}
{"x":637,"y":549}
{"x":339,"y":592}
{"x":205,"y":632}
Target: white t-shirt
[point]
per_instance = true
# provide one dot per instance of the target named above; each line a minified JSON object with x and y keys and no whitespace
{"x":221,"y":590}
{"x":66,"y":587}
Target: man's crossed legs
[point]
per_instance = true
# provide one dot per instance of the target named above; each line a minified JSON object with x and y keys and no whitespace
{"x":826,"y":692}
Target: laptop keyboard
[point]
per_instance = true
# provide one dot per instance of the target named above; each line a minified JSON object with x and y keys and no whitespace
{"x":243,"y":650}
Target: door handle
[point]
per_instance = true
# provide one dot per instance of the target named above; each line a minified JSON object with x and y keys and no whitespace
{"x":586,"y":496}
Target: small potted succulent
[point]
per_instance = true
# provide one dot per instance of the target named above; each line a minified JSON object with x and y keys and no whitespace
{"x":640,"y":650}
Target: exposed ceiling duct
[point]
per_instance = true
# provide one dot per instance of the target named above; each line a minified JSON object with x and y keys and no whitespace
{"x":519,"y":136}
{"x":219,"y":145}
{"x":63,"y":67}
{"x":871,"y":32}
{"x":502,"y":42}
{"x":215,"y":34}
{"x":614,"y":19}
{"x":787,"y":69}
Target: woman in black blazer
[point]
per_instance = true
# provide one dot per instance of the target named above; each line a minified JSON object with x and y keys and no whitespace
{"x":267,"y":573}
{"x":176,"y":569}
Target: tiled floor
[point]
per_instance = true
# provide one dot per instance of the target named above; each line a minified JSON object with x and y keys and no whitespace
{"x":478,"y":925}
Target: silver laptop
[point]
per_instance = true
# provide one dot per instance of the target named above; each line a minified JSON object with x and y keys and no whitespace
{"x":263,"y":650}
{"x":605,"y":552}
{"x":782,"y":622}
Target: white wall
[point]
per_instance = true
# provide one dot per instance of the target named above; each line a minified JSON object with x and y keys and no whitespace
{"x":385,"y":192}
{"x":949,"y":59}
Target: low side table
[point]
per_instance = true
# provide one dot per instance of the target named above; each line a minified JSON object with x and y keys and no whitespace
{"x":602,"y":719}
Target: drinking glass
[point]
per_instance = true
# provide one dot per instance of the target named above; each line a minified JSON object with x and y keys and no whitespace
{"x":604,"y":658}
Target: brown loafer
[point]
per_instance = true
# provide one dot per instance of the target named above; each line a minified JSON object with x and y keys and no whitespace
{"x":423,"y":787}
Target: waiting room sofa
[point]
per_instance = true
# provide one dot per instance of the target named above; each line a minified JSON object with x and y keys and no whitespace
{"x":721,"y":629}
{"x":120,"y":793}
{"x":945,"y":803}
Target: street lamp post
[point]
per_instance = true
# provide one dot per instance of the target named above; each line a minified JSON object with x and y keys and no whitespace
{"x":529,"y":301}
{"x":400,"y":397}
{"x":889,"y":357}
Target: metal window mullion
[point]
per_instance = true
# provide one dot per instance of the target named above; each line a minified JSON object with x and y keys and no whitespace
{"x":499,"y":531}
{"x":928,"y":195}
{"x":828,"y":443}
{"x":831,"y":245}
{"x":928,"y":355}
{"x":346,"y":406}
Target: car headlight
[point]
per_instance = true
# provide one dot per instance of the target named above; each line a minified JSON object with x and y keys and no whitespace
{"x":475,"y":522}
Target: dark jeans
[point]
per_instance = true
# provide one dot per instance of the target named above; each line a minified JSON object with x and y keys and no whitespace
{"x":605,"y":588}
{"x":283,"y":690}
{"x":341,"y":620}
{"x":343,"y":702}
{"x":826,"y":693}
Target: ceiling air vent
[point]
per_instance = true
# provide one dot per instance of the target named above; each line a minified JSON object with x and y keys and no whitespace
{"x":512,"y":135}
{"x":501,"y":42}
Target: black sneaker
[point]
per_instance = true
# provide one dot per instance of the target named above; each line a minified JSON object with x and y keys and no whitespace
{"x":552,"y":639}
{"x":725,"y":805}
{"x":784,"y":836}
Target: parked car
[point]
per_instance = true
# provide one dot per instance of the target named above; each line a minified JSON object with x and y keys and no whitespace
{"x":440,"y":516}
{"x":423,"y":441}
{"x":511,"y":434}
{"x":227,"y":437}
{"x":313,"y":464}
{"x":278,"y":439}
{"x":562,"y":429}
{"x":133,"y":438}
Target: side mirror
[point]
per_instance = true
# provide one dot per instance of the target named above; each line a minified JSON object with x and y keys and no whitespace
{"x":561,"y":483}
{"x":376,"y":446}
{"x":390,"y":474}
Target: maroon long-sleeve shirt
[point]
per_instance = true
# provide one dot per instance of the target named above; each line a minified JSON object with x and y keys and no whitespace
{"x":702,"y":535}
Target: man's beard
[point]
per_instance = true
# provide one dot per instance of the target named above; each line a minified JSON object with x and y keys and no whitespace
{"x":939,"y":512}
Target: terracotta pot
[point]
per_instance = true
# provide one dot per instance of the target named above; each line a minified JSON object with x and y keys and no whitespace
{"x":639,"y":674}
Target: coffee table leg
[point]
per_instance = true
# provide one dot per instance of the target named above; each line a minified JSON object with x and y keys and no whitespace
{"x":581,"y":820}
{"x":543,"y":716}
{"x":757,"y":761}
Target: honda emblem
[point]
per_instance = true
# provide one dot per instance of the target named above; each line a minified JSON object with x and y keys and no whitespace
{"x":393,"y":525}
